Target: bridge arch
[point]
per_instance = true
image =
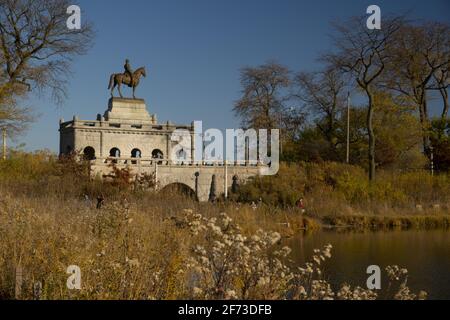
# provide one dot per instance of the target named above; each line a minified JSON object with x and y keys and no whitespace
{"x":179,"y":188}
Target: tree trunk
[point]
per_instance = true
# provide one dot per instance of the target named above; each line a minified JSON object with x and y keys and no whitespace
{"x":371,"y":136}
{"x":445,"y":108}
{"x":423,"y":108}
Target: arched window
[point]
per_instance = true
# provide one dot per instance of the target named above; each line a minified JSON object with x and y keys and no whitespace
{"x":135,"y":153}
{"x":181,"y":154}
{"x":157,"y":154}
{"x":89,"y":153}
{"x":115,"y":153}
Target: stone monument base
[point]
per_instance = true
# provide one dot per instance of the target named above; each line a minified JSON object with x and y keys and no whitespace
{"x":128,"y":110}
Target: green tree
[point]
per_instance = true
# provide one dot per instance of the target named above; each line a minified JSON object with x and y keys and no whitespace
{"x":420,"y":59}
{"x":440,"y":141}
{"x":363,"y":54}
{"x":398,"y":134}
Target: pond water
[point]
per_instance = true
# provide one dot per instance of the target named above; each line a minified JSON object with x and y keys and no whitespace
{"x":426,"y":255}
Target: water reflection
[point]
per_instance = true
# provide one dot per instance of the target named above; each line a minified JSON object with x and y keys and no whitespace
{"x":426,"y":254}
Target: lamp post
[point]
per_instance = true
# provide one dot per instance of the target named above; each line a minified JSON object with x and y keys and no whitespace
{"x":431,"y":161}
{"x":225,"y":164}
{"x":348,"y":128}
{"x":4,"y":143}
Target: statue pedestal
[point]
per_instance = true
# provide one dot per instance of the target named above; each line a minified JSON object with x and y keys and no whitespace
{"x":128,"y":110}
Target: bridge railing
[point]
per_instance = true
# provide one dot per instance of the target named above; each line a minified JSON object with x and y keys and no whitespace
{"x":150,"y":162}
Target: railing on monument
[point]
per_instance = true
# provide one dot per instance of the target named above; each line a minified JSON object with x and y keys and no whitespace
{"x":143,"y":162}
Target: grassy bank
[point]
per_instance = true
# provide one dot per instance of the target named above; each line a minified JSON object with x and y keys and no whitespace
{"x":340,"y":195}
{"x":146,"y":245}
{"x":147,"y":249}
{"x":334,"y":194}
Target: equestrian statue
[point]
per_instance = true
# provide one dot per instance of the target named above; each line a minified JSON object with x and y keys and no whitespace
{"x":129,"y":78}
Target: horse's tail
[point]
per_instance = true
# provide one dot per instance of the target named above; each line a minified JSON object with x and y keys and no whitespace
{"x":111,"y":81}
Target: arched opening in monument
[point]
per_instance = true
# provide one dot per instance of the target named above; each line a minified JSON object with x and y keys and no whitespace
{"x":135,"y":153}
{"x":114,"y":153}
{"x":179,"y":189}
{"x":181,"y":156}
{"x":157,"y":154}
{"x":89,"y":153}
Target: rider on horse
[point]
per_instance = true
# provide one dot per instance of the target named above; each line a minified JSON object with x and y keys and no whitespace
{"x":128,"y":77}
{"x":128,"y":72}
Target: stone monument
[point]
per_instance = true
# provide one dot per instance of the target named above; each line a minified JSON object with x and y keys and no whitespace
{"x":128,"y":111}
{"x":127,"y":135}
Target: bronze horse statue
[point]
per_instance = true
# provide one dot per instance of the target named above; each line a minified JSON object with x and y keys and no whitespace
{"x":116,"y":79}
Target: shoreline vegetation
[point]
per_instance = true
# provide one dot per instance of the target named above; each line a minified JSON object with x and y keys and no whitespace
{"x":146,"y":245}
{"x":130,"y":250}
{"x":335,"y":195}
{"x":133,"y":243}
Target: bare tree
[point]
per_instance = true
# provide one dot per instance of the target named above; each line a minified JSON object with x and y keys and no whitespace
{"x":323,"y":94}
{"x":12,"y":117}
{"x":263,"y":101}
{"x":36,"y":47}
{"x":363,"y":54}
{"x":441,"y":83}
{"x":420,"y":62}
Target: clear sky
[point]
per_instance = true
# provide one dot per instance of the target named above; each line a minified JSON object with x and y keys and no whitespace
{"x":193,"y":51}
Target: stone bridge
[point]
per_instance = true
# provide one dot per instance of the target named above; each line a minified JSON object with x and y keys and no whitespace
{"x":197,"y":176}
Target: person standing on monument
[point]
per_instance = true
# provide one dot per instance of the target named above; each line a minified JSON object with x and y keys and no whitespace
{"x":128,"y":71}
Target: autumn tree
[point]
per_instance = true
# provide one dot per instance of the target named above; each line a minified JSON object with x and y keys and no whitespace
{"x":263,"y":98}
{"x":440,"y":140}
{"x":420,"y":59}
{"x":362,"y":53}
{"x":322,"y":93}
{"x":441,"y":83}
{"x":36,"y":50}
{"x":398,"y":133}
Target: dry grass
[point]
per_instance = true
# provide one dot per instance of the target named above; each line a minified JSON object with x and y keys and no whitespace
{"x":143,"y":250}
{"x":139,"y":244}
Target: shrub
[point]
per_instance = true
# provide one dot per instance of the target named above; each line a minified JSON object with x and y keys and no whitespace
{"x":333,"y":186}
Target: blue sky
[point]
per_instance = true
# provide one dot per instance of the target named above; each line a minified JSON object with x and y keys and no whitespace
{"x":193,"y":51}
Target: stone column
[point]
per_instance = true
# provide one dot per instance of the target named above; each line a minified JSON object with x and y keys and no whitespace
{"x":168,"y":147}
{"x":101,"y":143}
{"x":192,"y":147}
{"x":75,"y":133}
